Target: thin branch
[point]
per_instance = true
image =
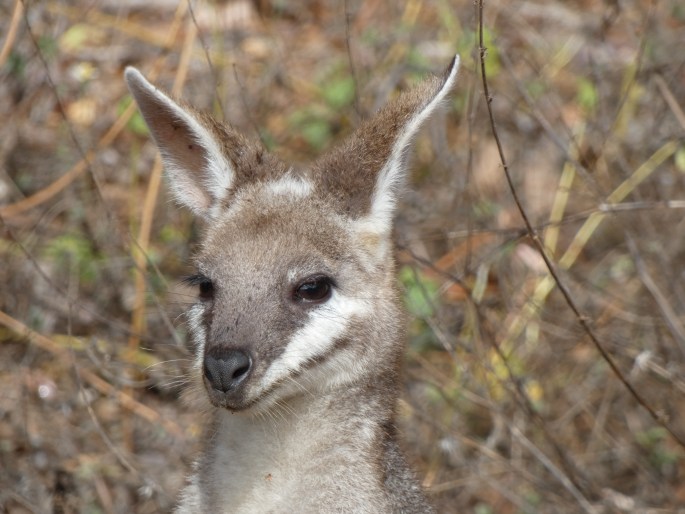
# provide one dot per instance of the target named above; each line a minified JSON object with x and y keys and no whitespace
{"x":12,"y":32}
{"x":672,"y":321}
{"x":246,"y":108}
{"x":556,"y":472}
{"x":212,"y":69}
{"x":670,"y":100}
{"x":353,"y":70}
{"x":582,"y":319}
{"x":85,"y":156}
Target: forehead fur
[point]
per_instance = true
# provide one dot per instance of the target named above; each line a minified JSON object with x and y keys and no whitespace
{"x":264,"y":221}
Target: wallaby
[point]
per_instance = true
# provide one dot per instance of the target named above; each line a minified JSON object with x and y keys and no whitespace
{"x":298,"y":327}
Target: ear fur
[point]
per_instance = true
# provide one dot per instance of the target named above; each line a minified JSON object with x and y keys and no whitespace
{"x":201,"y":176}
{"x":365,"y":174}
{"x":391,"y":176}
{"x":206,"y":161}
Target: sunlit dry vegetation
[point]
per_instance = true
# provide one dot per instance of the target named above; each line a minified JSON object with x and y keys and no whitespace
{"x":514,"y":403}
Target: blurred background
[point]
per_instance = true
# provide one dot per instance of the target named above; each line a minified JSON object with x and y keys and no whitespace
{"x":509,"y":405}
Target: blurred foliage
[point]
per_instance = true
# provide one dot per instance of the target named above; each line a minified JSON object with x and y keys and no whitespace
{"x":339,"y":92}
{"x":421,"y":298}
{"x":584,"y":97}
{"x":313,"y":124}
{"x":587,"y":95}
{"x":421,"y":292}
{"x":680,"y":159}
{"x":73,"y":253}
{"x":136,"y":123}
{"x":655,"y":442}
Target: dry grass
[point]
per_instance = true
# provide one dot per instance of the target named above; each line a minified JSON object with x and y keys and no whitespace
{"x":510,"y":406}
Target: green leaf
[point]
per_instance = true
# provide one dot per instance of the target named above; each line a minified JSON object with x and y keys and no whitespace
{"x":74,"y":252}
{"x":680,"y":159}
{"x":317,"y":133}
{"x":16,"y":64}
{"x":76,"y":37}
{"x":421,"y":293}
{"x":136,"y":124}
{"x":47,"y":46}
{"x":339,"y":93}
{"x":587,"y":95}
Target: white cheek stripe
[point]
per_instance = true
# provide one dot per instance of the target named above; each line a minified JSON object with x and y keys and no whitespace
{"x":198,"y":333}
{"x":325,"y":324}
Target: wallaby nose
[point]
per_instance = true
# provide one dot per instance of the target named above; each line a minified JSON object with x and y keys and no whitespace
{"x":225,"y":369}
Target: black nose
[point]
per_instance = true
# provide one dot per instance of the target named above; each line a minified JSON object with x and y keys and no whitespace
{"x":226,"y":369}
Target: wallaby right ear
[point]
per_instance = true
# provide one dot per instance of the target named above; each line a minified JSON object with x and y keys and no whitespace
{"x":200,"y":173}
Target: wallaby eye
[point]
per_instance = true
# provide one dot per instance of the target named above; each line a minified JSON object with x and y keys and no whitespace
{"x":206,"y":289}
{"x":314,"y":290}
{"x":205,"y":285}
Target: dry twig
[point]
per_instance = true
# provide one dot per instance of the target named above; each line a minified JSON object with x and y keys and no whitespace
{"x":580,"y":317}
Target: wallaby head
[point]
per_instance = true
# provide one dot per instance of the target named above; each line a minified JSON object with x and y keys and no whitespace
{"x":295,"y":271}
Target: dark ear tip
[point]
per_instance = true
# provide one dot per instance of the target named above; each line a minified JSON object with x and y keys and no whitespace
{"x":452,"y":68}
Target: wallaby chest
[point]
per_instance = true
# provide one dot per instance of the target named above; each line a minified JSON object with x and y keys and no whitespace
{"x":293,"y":465}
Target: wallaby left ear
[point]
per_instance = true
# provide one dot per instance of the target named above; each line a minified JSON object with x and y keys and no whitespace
{"x":191,"y":145}
{"x":367,"y":172}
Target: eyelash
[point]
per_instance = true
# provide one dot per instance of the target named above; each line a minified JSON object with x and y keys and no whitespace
{"x":205,"y":285}
{"x":194,"y":280}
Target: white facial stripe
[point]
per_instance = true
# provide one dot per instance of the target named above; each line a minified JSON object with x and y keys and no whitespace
{"x":197,"y":331}
{"x":325,"y":324}
{"x":290,"y":186}
{"x":384,"y":194}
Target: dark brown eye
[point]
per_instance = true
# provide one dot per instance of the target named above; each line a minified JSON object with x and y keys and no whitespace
{"x":206,"y":289}
{"x":314,"y":290}
{"x":204,"y":284}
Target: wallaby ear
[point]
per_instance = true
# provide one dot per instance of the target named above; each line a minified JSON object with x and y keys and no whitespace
{"x":406,"y":120}
{"x":190,"y":143}
{"x":368,"y":171}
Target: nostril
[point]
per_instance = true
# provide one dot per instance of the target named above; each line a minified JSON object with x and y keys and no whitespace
{"x":225,"y":369}
{"x":241,"y":371}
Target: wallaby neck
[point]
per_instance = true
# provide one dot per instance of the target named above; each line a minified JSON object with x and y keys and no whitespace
{"x":293,"y":454}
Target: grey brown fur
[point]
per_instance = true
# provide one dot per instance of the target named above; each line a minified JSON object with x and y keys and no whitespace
{"x":297,"y":329}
